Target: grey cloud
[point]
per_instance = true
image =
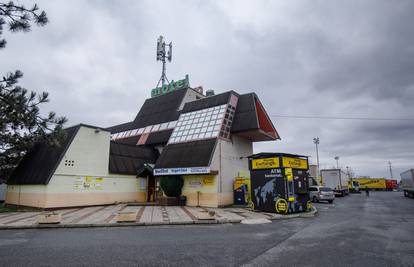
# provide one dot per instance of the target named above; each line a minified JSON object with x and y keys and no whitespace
{"x":334,"y":58}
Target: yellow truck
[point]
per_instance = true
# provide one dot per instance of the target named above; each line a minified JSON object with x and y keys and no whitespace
{"x":371,"y":183}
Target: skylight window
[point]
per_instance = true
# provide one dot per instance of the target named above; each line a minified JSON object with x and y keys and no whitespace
{"x":202,"y":124}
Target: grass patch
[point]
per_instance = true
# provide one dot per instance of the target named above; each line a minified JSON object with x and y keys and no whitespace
{"x":4,"y":208}
{"x":7,"y":209}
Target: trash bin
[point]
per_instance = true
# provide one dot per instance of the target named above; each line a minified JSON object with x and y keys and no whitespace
{"x":279,"y":182}
{"x":183,"y":201}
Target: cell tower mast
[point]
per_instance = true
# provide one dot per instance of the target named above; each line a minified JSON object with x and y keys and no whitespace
{"x":163,"y":56}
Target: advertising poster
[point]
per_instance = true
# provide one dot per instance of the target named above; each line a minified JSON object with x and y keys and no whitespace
{"x":88,"y":183}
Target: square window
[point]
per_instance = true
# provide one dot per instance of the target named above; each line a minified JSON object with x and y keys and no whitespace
{"x":172,"y":124}
{"x":211,"y":123}
{"x":197,"y":130}
{"x":205,"y":124}
{"x":219,"y":121}
{"x":199,"y":125}
{"x":217,"y":128}
{"x":204,"y":129}
{"x":215,"y":133}
{"x":210,"y":129}
{"x":163,"y":126}
{"x":200,"y":136}
{"x":133,"y":132}
{"x":156,"y":127}
{"x":191,"y":131}
{"x":188,"y":126}
{"x":148,"y":129}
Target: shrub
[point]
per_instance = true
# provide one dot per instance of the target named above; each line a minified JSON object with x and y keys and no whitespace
{"x":172,"y":185}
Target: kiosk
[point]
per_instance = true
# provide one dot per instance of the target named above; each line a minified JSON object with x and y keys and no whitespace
{"x":279,"y":182}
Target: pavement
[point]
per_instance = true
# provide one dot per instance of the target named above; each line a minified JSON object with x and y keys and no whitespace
{"x":106,"y":216}
{"x":353,"y":231}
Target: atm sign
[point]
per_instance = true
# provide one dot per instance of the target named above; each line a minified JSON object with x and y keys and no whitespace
{"x":267,"y":163}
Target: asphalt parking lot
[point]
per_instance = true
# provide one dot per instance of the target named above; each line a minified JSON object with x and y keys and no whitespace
{"x":353,"y":231}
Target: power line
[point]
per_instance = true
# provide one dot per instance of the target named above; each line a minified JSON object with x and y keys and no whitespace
{"x":342,"y":118}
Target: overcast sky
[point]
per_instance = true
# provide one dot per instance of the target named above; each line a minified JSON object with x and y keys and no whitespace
{"x":302,"y":58}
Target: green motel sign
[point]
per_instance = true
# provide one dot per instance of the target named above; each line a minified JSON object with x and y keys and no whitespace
{"x":172,"y":86}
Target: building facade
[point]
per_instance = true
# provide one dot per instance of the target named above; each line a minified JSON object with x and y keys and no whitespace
{"x":206,"y":140}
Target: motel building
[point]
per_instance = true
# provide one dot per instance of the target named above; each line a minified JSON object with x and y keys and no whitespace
{"x":178,"y":131}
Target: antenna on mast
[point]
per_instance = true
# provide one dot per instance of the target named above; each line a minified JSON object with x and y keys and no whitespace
{"x":163,"y":56}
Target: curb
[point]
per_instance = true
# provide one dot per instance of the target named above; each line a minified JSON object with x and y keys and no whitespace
{"x":309,"y":214}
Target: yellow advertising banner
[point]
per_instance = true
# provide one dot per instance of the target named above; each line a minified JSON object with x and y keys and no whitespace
{"x":267,"y":163}
{"x":208,"y":180}
{"x":295,"y":163}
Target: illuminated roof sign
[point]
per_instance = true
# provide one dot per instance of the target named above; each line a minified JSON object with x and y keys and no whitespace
{"x":172,"y":86}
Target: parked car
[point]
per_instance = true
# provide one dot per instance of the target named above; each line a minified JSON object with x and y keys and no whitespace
{"x":321,"y":193}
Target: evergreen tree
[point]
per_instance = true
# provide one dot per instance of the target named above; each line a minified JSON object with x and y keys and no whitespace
{"x":21,"y":124}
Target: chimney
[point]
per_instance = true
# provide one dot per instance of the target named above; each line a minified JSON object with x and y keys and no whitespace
{"x":199,"y":89}
{"x":210,"y":92}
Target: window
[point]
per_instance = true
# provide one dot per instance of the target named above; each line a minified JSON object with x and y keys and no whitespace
{"x":201,"y":124}
{"x":156,"y":127}
{"x":148,"y":129}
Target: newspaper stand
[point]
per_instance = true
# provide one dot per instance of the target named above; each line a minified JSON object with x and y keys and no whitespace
{"x":279,"y":182}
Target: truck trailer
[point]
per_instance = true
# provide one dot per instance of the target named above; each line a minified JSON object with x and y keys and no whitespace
{"x":371,"y":183}
{"x":337,"y":180}
{"x":391,"y":184}
{"x":407,"y":183}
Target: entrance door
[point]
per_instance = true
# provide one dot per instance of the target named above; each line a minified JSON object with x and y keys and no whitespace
{"x":151,"y":189}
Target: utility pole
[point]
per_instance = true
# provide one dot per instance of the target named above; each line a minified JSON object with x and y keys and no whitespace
{"x":389,"y":163}
{"x":316,"y":142}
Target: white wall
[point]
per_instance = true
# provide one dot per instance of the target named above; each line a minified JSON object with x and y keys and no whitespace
{"x":89,"y":153}
{"x":229,"y":159}
{"x":87,"y":182}
{"x":191,"y":95}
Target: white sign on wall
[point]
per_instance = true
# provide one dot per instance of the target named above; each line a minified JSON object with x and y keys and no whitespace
{"x":178,"y":171}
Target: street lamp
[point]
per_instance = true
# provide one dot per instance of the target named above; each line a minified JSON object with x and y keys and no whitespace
{"x":337,"y":159}
{"x":316,"y":142}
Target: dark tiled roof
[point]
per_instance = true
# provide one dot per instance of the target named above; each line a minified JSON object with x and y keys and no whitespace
{"x":128,"y":159}
{"x":207,"y":102}
{"x":160,"y":109}
{"x":245,"y":117}
{"x":121,"y":127}
{"x":39,"y":164}
{"x":129,"y":141}
{"x":158,"y":137}
{"x":190,"y":154}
